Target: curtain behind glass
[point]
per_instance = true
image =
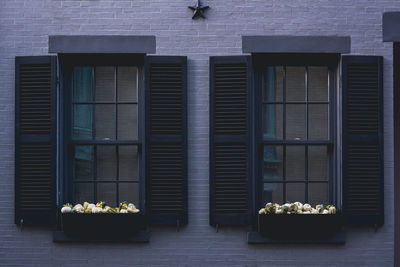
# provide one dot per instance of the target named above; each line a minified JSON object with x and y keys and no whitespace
{"x":83,"y":113}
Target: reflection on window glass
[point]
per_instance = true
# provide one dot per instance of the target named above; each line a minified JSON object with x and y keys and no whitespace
{"x":273,"y":87}
{"x":273,"y":121}
{"x":273,"y":163}
{"x":83,"y":84}
{"x":84,"y":163}
{"x":82,"y":122}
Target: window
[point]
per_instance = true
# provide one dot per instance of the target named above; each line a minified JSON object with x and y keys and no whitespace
{"x":297,"y":139}
{"x":103,"y":132}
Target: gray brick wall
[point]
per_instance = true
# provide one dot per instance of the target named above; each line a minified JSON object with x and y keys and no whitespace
{"x":24,"y":29}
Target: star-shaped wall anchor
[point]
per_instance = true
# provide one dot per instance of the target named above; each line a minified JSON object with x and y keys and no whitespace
{"x":198,"y":10}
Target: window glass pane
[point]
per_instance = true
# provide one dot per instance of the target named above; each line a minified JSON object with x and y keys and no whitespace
{"x":295,"y":162}
{"x":273,"y":163}
{"x":84,"y":163}
{"x":105,"y":83}
{"x":295,"y":192}
{"x":318,"y":193}
{"x":295,"y":84}
{"x":82,"y":121}
{"x":128,"y":163}
{"x":105,"y":121}
{"x":127,"y":84}
{"x":317,"y":83}
{"x":107,"y":192}
{"x":273,"y":84}
{"x":83,"y":192}
{"x":129,"y":192}
{"x":273,"y":121}
{"x":83,"y":84}
{"x":106,"y":163}
{"x":127,"y":122}
{"x":273,"y":192}
{"x":318,"y":121}
{"x":296,"y":121}
{"x":317,"y":163}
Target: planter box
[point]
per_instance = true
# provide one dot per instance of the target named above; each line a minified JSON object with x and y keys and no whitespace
{"x":100,"y":224}
{"x":299,"y":226}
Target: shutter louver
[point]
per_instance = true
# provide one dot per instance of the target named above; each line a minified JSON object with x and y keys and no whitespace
{"x":35,"y":135}
{"x":229,"y":140}
{"x":362,"y":140}
{"x":167,"y":141}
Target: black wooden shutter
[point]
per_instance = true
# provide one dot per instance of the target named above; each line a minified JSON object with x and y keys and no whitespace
{"x":166,"y":139}
{"x":362,"y":149}
{"x":230,"y":156}
{"x":35,"y":139}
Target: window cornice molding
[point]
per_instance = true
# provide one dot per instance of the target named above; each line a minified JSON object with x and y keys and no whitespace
{"x":102,"y":44}
{"x":296,"y":44}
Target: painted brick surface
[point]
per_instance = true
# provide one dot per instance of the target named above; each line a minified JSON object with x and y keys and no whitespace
{"x":24,"y":29}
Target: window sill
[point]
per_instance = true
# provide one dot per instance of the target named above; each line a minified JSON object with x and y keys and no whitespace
{"x":338,"y":238}
{"x":140,"y":237}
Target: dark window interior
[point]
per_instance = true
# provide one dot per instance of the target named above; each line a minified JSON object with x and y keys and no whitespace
{"x":104,"y":108}
{"x":297,"y":136}
{"x":102,"y":130}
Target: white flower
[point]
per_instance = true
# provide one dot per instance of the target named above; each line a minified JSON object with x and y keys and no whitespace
{"x":278,"y":211}
{"x":106,"y":209}
{"x":123,"y":211}
{"x":78,"y":208}
{"x":332,"y":210}
{"x":325,"y":212}
{"x":299,"y":205}
{"x":91,"y":206}
{"x":306,"y":212}
{"x":66,"y":210}
{"x":262,"y":211}
{"x":97,"y":210}
{"x":85,"y":205}
{"x":314,"y":211}
{"x":306,"y":207}
{"x":131,"y":205}
{"x":130,"y":210}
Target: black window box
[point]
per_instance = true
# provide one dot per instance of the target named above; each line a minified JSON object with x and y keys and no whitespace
{"x":299,"y":226}
{"x":106,"y":225}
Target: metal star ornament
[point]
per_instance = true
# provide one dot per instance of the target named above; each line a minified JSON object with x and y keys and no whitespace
{"x":198,"y":10}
